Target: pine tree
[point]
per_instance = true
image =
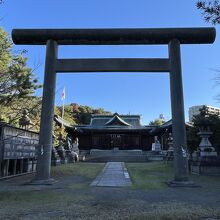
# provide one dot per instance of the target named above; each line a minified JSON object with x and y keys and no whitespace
{"x":16,"y":79}
{"x":210,"y":10}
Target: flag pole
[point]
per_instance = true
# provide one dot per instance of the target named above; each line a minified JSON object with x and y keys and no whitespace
{"x":62,"y":112}
{"x":63,"y":99}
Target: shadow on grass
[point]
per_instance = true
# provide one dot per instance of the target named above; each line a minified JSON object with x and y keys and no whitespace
{"x":154,"y":175}
{"x":88,"y":170}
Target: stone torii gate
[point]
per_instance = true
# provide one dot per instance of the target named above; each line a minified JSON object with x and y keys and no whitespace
{"x":172,"y":37}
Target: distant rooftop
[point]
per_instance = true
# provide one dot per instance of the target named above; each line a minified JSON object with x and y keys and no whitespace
{"x":200,"y":106}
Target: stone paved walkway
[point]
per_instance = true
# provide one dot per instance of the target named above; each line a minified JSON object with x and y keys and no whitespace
{"x":113,"y":174}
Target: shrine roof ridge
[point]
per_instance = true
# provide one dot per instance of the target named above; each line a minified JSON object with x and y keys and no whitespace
{"x":112,"y":115}
{"x":5,"y":124}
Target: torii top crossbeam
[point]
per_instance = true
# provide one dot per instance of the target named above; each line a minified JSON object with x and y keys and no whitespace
{"x":124,"y":36}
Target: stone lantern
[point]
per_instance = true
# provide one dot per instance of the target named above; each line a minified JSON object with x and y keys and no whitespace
{"x":205,"y":147}
{"x":60,"y":150}
{"x":169,"y":157}
{"x":25,"y":121}
{"x":55,"y":159}
{"x":206,"y":160}
{"x":156,"y":146}
{"x":170,"y":142}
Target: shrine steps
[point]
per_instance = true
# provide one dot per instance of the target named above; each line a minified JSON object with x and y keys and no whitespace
{"x":137,"y":156}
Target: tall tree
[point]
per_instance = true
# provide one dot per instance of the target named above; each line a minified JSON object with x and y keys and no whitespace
{"x":211,"y":14}
{"x":16,"y":79}
{"x":157,"y":122}
{"x":13,"y":113}
{"x":210,"y":10}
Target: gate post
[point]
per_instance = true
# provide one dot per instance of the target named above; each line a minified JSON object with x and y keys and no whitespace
{"x":178,"y":118}
{"x":47,"y":115}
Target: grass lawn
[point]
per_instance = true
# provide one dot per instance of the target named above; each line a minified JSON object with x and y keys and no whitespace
{"x":149,"y":176}
{"x":87,"y":170}
{"x":178,"y":211}
{"x":154,"y":175}
{"x":73,"y":198}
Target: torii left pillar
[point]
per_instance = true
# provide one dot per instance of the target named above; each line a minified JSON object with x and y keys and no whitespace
{"x":45,"y":142}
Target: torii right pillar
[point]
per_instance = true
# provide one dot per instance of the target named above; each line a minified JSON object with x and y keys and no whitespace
{"x":178,"y":119}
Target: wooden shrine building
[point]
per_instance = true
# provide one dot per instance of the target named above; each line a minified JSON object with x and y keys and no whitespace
{"x":124,"y":132}
{"x":114,"y":131}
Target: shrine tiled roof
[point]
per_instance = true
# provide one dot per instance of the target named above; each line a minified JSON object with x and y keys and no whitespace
{"x":116,"y":122}
{"x":61,"y":121}
{"x":116,"y":119}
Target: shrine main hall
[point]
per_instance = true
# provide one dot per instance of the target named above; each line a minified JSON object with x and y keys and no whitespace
{"x":123,"y":132}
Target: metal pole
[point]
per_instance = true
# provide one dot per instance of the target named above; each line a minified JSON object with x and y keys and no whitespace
{"x":62,"y":113}
{"x":63,"y":99}
{"x":178,"y":118}
{"x":47,"y":114}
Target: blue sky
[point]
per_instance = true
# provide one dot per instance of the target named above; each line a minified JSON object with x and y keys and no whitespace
{"x":147,"y":94}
